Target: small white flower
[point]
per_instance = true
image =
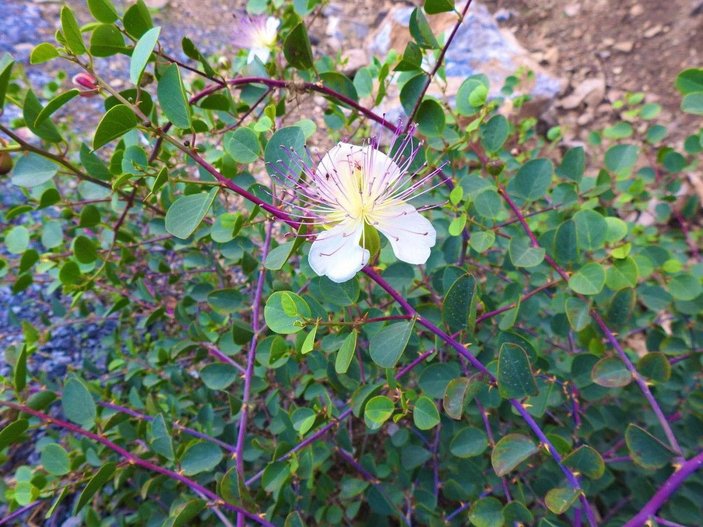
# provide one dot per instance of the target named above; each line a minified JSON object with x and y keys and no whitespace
{"x":257,"y":34}
{"x":354,"y":186}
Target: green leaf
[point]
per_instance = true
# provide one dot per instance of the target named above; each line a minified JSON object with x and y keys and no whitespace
{"x":137,"y":19}
{"x":186,"y":213}
{"x":42,"y":53}
{"x":690,"y":80}
{"x":621,"y":158}
{"x":515,"y":378}
{"x":591,"y":229}
{"x":522,"y":254}
{"x":339,"y":83}
{"x":533,"y":179}
{"x":468,"y":442}
{"x":84,"y":250}
{"x":20,"y":373}
{"x":646,"y":450}
{"x":510,"y":451}
{"x":275,"y":476}
{"x":573,"y":164}
{"x":494,"y":133}
{"x":346,"y":353}
{"x":589,"y":280}
{"x":54,"y":104}
{"x":430,"y":118}
{"x":218,"y":376}
{"x":172,"y":97}
{"x":183,"y":513}
{"x":243,"y":145}
{"x":200,"y":457}
{"x":566,"y":243}
{"x":685,"y":287}
{"x":13,"y":432}
{"x":481,"y":241}
{"x":411,"y":92}
{"x":432,"y":7}
{"x":303,"y":419}
{"x":655,"y":367}
{"x":6,"y":63}
{"x":560,"y":500}
{"x":577,"y":313}
{"x":282,"y":150}
{"x":226,"y":227}
{"x":296,"y":48}
{"x":621,"y":307}
{"x":421,"y":31}
{"x":70,"y":273}
{"x":46,"y":130}
{"x":17,"y":239}
{"x":159,"y":438}
{"x":487,"y":512}
{"x":71,"y":31}
{"x":285,"y":312}
{"x":378,"y":410}
{"x":77,"y":403}
{"x":457,"y":392}
{"x":55,"y":460}
{"x":425,"y":413}
{"x":32,"y":170}
{"x":611,"y":372}
{"x":622,"y":274}
{"x":411,"y":60}
{"x":309,"y":342}
{"x":693,"y":103}
{"x":118,"y":120}
{"x":278,"y":256}
{"x":103,"y":10}
{"x":142,"y":53}
{"x":386,"y":346}
{"x":106,"y":41}
{"x":225,"y":301}
{"x":101,"y":477}
{"x":460,"y":304}
{"x":585,"y":460}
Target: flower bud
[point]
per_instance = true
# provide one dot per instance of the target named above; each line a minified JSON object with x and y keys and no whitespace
{"x":86,"y":83}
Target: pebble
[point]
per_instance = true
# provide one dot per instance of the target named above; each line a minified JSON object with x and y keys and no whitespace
{"x":572,"y":10}
{"x":625,"y":46}
{"x":636,"y":10}
{"x":653,"y":31}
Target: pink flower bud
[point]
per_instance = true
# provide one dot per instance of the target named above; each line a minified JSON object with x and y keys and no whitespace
{"x":86,"y":83}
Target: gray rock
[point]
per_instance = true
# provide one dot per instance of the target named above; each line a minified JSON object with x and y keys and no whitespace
{"x":479,"y":46}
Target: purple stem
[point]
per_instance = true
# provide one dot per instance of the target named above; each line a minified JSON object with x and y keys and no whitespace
{"x":251,"y":358}
{"x":19,"y":512}
{"x":492,"y":442}
{"x":667,"y":523}
{"x":212,"y":350}
{"x":184,"y":429}
{"x":604,"y":328}
{"x":458,"y":511}
{"x":571,"y":478}
{"x":135,"y":460}
{"x":665,"y":491}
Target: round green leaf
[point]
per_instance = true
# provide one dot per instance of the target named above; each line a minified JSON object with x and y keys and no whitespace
{"x":655,"y":367}
{"x":532,"y":180}
{"x":386,"y":346}
{"x":55,"y":460}
{"x":200,"y":457}
{"x":685,"y":286}
{"x":185,"y":214}
{"x":218,"y":376}
{"x":17,"y":239}
{"x":469,"y":442}
{"x":487,"y":512}
{"x":645,"y":449}
{"x":378,"y":410}
{"x":77,"y":403}
{"x":285,"y":312}
{"x":118,"y":120}
{"x":84,"y":250}
{"x":611,"y":372}
{"x":243,"y":145}
{"x":515,"y":378}
{"x":589,"y":280}
{"x":425,"y":413}
{"x":510,"y":451}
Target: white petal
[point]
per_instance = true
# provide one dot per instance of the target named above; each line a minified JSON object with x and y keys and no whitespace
{"x":272,"y":24}
{"x":411,"y":234}
{"x":336,"y":253}
{"x":261,"y":53}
